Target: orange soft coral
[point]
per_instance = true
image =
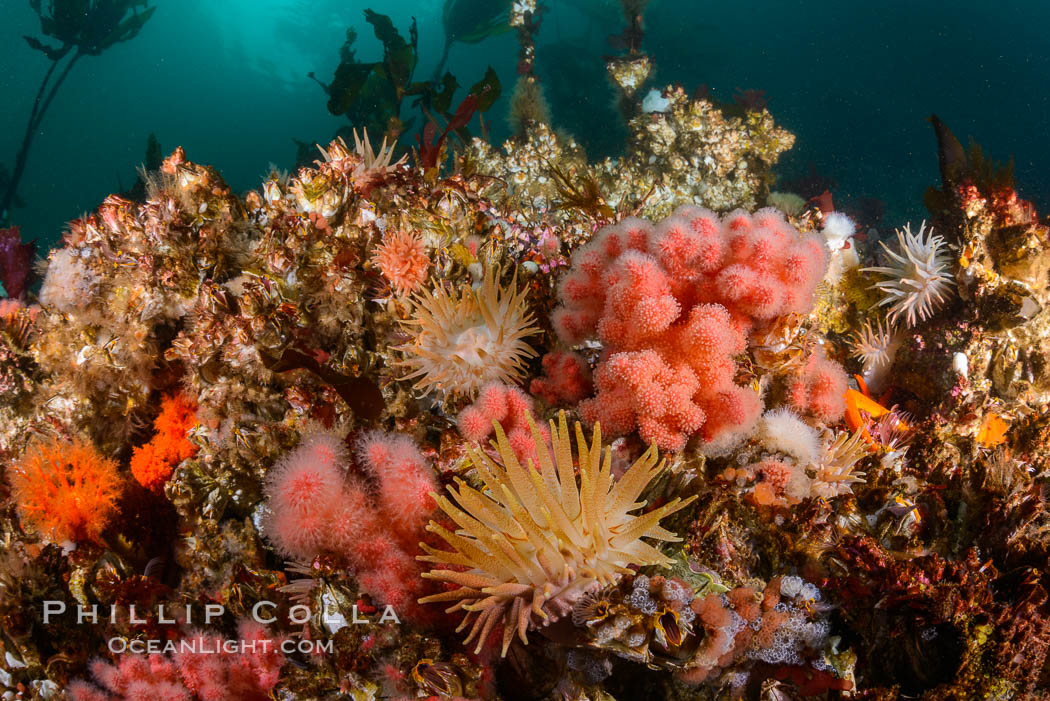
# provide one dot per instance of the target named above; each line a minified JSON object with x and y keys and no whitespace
{"x":153,"y":463}
{"x":65,"y":490}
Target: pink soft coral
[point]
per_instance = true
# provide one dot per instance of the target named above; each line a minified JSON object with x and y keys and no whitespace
{"x":216,"y":675}
{"x":820,"y":388}
{"x":405,"y":482}
{"x":508,"y":406}
{"x":375,"y":519}
{"x":566,"y":379}
{"x":240,"y":675}
{"x":641,"y":390}
{"x":672,"y":304}
{"x":304,"y":491}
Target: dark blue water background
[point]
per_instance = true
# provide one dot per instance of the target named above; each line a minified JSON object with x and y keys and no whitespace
{"x":855,"y":81}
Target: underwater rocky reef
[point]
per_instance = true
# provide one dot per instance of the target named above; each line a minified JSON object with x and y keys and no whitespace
{"x":497,"y":421}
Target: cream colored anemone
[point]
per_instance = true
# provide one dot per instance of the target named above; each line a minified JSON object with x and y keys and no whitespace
{"x":918,"y":276}
{"x":533,"y":541}
{"x":464,"y":342}
{"x":372,"y":160}
{"x":836,"y":474}
{"x":875,"y":346}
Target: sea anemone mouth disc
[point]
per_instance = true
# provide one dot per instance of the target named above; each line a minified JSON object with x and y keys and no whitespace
{"x":465,"y":341}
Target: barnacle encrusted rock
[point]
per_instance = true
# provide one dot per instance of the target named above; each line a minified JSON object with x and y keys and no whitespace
{"x":691,"y":154}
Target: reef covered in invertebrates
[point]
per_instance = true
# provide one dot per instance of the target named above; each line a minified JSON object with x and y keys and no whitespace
{"x":500,"y":421}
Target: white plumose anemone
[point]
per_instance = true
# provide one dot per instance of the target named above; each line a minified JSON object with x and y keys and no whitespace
{"x":918,"y":279}
{"x":838,"y":232}
{"x":781,"y":430}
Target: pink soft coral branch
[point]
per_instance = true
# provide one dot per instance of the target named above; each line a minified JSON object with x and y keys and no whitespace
{"x":316,"y":505}
{"x":245,"y":675}
{"x":566,"y":379}
{"x":509,"y":407}
{"x":819,"y":389}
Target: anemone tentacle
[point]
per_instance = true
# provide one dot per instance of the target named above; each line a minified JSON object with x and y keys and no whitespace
{"x":534,"y":541}
{"x":917,"y":276}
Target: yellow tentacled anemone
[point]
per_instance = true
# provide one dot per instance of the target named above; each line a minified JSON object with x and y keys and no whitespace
{"x":535,"y":540}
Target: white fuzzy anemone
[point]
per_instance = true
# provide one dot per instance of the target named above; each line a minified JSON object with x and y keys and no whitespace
{"x":917,"y":275}
{"x":838,"y":232}
{"x":782,"y":431}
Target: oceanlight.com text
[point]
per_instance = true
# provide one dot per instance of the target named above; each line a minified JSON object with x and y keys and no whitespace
{"x":204,"y":646}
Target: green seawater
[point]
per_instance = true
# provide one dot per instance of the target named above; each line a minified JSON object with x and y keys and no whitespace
{"x":227,"y":80}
